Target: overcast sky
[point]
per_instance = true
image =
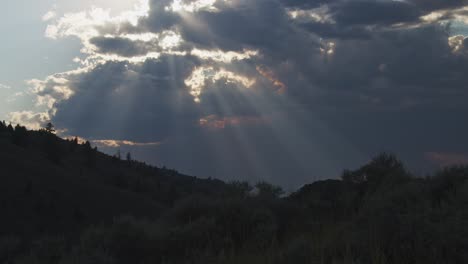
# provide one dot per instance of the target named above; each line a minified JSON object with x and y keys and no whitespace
{"x":288,"y":91}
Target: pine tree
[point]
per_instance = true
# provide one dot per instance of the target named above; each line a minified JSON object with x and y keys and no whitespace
{"x":49,"y":128}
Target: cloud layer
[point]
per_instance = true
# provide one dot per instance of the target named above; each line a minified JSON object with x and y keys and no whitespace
{"x":285,"y":90}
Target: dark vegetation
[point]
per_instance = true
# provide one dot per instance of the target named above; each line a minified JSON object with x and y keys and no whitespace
{"x":65,"y":202}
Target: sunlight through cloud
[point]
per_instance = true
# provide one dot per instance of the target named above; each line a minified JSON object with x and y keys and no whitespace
{"x":29,"y":119}
{"x":268,"y":74}
{"x":192,"y":6}
{"x":215,"y":122}
{"x":457,"y":44}
{"x":170,"y":40}
{"x":221,"y":56}
{"x":118,"y":143}
{"x":320,"y":15}
{"x":202,"y":75}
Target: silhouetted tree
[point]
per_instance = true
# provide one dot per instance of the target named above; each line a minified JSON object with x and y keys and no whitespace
{"x":4,"y":130}
{"x":91,"y":154}
{"x":240,"y":188}
{"x":74,"y":144}
{"x":376,"y":214}
{"x":381,"y":167}
{"x":129,"y":158}
{"x":87,"y":144}
{"x":10,"y":129}
{"x":49,"y":128}
{"x":267,"y":190}
{"x":3,"y":126}
{"x":19,"y":135}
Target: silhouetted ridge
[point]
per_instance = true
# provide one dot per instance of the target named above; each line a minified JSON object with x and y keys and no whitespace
{"x":66,"y":202}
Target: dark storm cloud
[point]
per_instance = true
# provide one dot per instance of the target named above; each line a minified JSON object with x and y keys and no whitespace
{"x":433,"y":5}
{"x":424,"y":6}
{"x":391,"y":70}
{"x":324,"y":90}
{"x":118,"y":100}
{"x":305,"y":3}
{"x":123,"y":46}
{"x":158,"y":18}
{"x":258,"y":24}
{"x":333,"y":31}
{"x":369,"y":12}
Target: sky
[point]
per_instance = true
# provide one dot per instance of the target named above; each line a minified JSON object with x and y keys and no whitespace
{"x":287,"y":91}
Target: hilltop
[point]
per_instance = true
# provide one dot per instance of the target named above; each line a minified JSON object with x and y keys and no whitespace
{"x":66,"y":202}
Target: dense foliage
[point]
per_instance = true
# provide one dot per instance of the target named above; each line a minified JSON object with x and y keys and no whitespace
{"x":65,"y":202}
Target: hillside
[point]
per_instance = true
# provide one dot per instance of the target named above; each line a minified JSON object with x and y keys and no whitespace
{"x":65,"y":202}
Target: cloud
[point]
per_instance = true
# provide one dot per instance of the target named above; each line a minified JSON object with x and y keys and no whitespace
{"x":4,"y":87}
{"x":49,"y":15}
{"x":29,"y":119}
{"x":214,"y":122}
{"x":304,"y":4}
{"x":192,"y":6}
{"x":14,"y":97}
{"x":135,"y":101}
{"x":447,"y":159}
{"x":200,"y":76}
{"x":431,"y":5}
{"x":366,"y":12}
{"x":459,"y":44}
{"x":263,"y":88}
{"x":123,"y":46}
{"x":267,"y":73}
{"x":221,"y":56}
{"x":111,"y":143}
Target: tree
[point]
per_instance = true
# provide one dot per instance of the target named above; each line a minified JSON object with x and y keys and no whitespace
{"x":10,"y":129}
{"x":268,"y":190}
{"x":19,"y":135}
{"x":49,"y":128}
{"x":87,"y":145}
{"x":3,"y":126}
{"x":91,"y":154}
{"x":383,"y":167}
{"x":74,"y":144}
{"x":240,"y":188}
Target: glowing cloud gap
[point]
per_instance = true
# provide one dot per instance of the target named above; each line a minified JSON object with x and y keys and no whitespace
{"x":118,"y":143}
{"x":321,"y":15}
{"x":221,"y":56}
{"x":201,"y":75}
{"x":457,"y":44}
{"x":328,"y":48}
{"x":192,"y":6}
{"x":460,"y":14}
{"x":170,"y":40}
{"x":268,"y":74}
